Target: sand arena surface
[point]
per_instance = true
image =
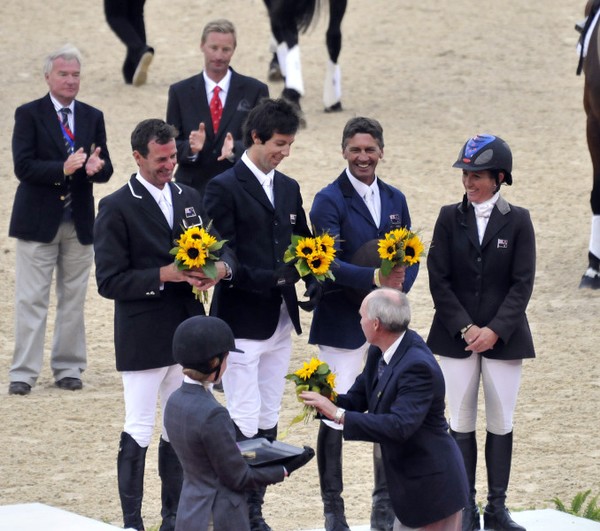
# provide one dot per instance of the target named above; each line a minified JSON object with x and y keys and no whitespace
{"x":433,"y":73}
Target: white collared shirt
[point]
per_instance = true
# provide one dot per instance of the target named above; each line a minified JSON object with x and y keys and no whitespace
{"x":363,"y":190}
{"x":264,"y":179}
{"x":210,"y":85}
{"x":389,"y":353}
{"x":71,"y":116}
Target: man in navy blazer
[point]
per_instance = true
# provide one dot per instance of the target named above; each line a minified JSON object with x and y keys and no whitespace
{"x":136,"y":227}
{"x":59,"y":151}
{"x":202,"y":150}
{"x":341,"y":210}
{"x":398,"y":402}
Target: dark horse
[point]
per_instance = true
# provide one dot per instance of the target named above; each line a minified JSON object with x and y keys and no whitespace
{"x":288,"y":18}
{"x":590,"y":64}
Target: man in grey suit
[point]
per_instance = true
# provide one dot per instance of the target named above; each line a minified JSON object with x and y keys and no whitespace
{"x":207,"y":145}
{"x":59,"y":152}
{"x":203,"y":435}
{"x":134,"y":232}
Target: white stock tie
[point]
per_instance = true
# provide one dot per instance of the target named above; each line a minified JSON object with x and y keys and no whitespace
{"x":166,"y":209}
{"x":268,"y":187}
{"x":370,"y":202}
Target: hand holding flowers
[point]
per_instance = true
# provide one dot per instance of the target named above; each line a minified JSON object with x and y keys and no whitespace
{"x":312,"y":376}
{"x":195,"y":251}
{"x":312,"y":256}
{"x":399,"y":247}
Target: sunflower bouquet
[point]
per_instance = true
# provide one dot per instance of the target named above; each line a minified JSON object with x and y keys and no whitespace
{"x":312,"y":256}
{"x":400,"y":247}
{"x":196,"y":248}
{"x":314,"y":375}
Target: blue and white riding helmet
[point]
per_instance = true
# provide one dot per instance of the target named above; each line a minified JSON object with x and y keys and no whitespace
{"x":486,"y":152}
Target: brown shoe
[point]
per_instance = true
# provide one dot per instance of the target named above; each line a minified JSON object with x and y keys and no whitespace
{"x":19,"y":388}
{"x":69,"y":384}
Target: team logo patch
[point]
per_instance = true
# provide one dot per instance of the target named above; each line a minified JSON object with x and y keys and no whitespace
{"x":190,"y":212}
{"x":293,"y":219}
{"x":502,"y":244}
{"x":394,"y":219}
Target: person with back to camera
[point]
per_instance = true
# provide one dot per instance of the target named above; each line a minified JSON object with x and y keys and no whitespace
{"x":204,"y":438}
{"x":209,"y":109}
{"x":481,"y":267}
{"x":398,"y":402}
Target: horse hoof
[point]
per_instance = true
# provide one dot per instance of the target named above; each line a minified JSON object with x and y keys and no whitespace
{"x":590,"y":282}
{"x":336,"y":107}
{"x":274,"y":72}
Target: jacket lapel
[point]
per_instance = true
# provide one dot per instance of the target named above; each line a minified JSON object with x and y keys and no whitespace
{"x":250,"y":183}
{"x":354,"y":201}
{"x":50,"y":120}
{"x":497,"y":220}
{"x":389,"y":371}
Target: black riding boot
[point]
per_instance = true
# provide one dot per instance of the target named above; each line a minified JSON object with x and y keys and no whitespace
{"x":171,"y":477}
{"x":382,"y":512}
{"x":498,"y":456}
{"x":329,"y":463}
{"x":131,"y":461}
{"x":256,"y":498}
{"x":467,"y":444}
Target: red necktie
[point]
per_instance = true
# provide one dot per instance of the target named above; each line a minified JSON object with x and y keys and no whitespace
{"x":216,"y":108}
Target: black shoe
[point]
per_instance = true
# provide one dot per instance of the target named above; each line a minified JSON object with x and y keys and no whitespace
{"x":471,"y":519}
{"x":336,"y":107}
{"x":258,"y":524}
{"x":69,"y":384}
{"x":19,"y":388}
{"x":141,"y":70}
{"x":500,"y":520}
{"x":590,"y":282}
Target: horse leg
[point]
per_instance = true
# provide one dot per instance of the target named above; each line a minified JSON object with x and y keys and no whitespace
{"x":591,"y":278}
{"x":332,"y":87}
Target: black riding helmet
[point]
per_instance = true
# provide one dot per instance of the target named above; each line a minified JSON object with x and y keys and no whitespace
{"x":199,"y":339}
{"x":486,"y":152}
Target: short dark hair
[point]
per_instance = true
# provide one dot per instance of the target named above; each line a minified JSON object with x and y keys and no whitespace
{"x":360,"y":124}
{"x":147,"y":131}
{"x":269,"y":117}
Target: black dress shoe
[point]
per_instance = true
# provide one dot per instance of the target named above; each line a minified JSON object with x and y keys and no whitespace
{"x":19,"y":388}
{"x":69,"y":384}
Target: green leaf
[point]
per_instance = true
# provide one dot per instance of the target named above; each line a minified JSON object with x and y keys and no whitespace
{"x":386,"y":267}
{"x":210,"y":270}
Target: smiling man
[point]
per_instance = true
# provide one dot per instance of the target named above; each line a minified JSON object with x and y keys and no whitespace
{"x":356,"y":208}
{"x":257,"y":208}
{"x":134,"y":232}
{"x":209,"y":109}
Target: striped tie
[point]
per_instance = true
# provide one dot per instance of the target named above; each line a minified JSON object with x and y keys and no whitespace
{"x":64,"y":112}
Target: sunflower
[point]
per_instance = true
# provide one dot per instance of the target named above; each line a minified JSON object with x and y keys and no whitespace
{"x":413,"y":248}
{"x":192,"y":253}
{"x":318,"y":263}
{"x":331,"y":380}
{"x":399,"y":234}
{"x":306,"y":247}
{"x":325,"y":243}
{"x":387,"y":248}
{"x":308,"y":369}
